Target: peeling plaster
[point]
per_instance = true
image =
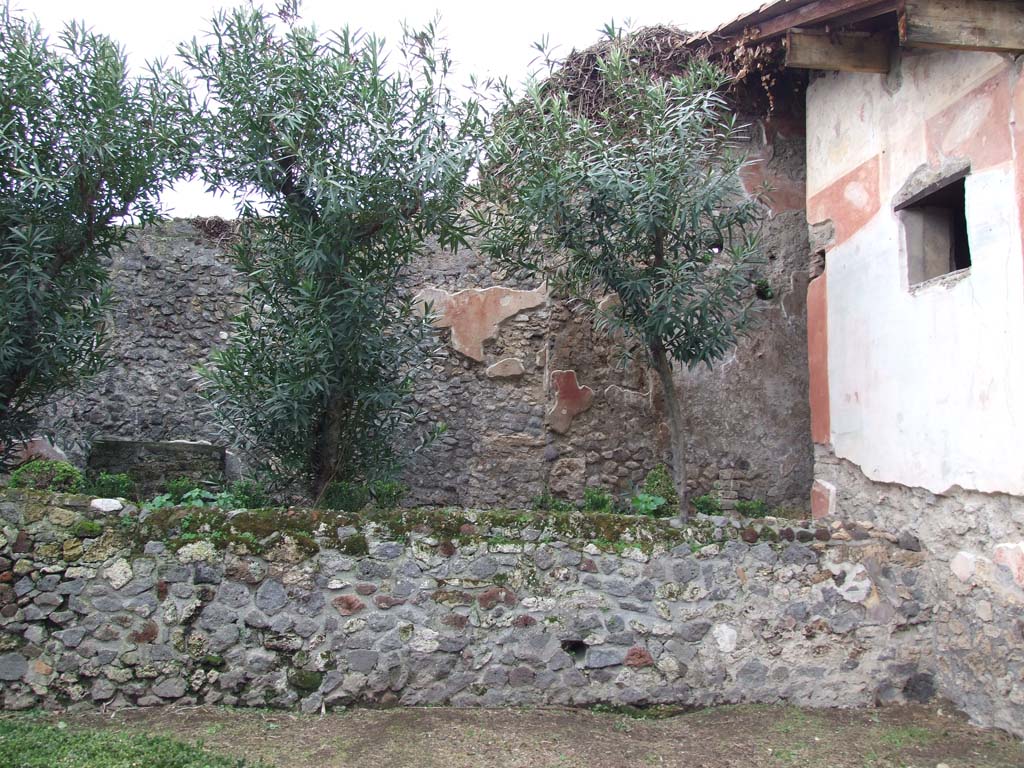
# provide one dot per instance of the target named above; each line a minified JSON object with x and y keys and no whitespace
{"x":475,"y":314}
{"x":509,"y":368}
{"x":570,"y":399}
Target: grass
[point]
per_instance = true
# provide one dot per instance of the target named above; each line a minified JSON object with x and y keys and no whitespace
{"x":28,"y":744}
{"x":907,"y":736}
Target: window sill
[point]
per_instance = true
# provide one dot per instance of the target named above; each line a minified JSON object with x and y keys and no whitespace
{"x":947,"y":280}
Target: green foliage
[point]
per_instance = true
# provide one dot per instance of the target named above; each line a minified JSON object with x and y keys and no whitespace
{"x":346,"y":162}
{"x":650,"y":505}
{"x":112,"y":486}
{"x":47,"y":475}
{"x":388,"y":493}
{"x":26,"y":743}
{"x":629,"y":186}
{"x":198,"y":497}
{"x":345,"y":496}
{"x":707,"y":505}
{"x":659,"y":483}
{"x":244,"y":494}
{"x":763,"y":290}
{"x":161,"y":501}
{"x":597,"y":500}
{"x":85,"y":149}
{"x":187,"y":492}
{"x":548,"y":502}
{"x":752,"y":508}
{"x":178,"y":487}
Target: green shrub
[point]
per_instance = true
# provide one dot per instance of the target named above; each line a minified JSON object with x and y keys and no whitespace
{"x":161,"y":501}
{"x":597,"y":500}
{"x":659,"y":483}
{"x":752,"y":508}
{"x":243,"y":494}
{"x":179,"y":486}
{"x":651,"y":505}
{"x":546,"y":502}
{"x":47,"y":475}
{"x":112,"y":486}
{"x":345,"y":496}
{"x":707,"y":505}
{"x":388,"y":493}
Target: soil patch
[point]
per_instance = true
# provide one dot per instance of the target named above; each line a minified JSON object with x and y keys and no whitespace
{"x":741,"y":736}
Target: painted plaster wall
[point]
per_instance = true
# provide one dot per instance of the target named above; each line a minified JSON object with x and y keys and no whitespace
{"x":924,"y":383}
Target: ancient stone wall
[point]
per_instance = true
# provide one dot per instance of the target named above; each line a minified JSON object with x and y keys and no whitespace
{"x":175,"y":293}
{"x":975,"y":546}
{"x":532,"y":395}
{"x":424,"y":607}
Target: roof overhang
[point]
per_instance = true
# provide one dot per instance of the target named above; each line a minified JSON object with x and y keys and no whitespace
{"x":860,"y":35}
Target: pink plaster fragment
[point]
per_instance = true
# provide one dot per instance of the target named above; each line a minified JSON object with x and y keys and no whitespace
{"x":1011,"y":557}
{"x":963,"y":565}
{"x":570,"y":400}
{"x":474,"y":314}
{"x":823,"y":499}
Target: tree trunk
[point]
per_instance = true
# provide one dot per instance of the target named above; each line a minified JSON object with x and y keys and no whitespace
{"x":326,"y":448}
{"x":676,"y":424}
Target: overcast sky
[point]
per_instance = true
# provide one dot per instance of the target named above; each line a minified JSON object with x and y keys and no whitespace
{"x":486,"y":38}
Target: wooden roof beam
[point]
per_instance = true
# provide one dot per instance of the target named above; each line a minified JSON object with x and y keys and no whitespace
{"x":838,"y":52}
{"x":817,"y":12}
{"x":973,"y":25}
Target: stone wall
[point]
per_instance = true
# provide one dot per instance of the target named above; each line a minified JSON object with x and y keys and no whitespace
{"x":533,"y":397}
{"x":975,"y":543}
{"x":424,"y":607}
{"x":748,"y":418}
{"x":175,"y":293}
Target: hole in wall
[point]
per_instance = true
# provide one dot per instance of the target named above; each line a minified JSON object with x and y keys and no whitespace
{"x":575,"y":648}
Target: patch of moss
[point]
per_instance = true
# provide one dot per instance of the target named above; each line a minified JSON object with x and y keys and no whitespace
{"x":355,"y":545}
{"x":305,"y":680}
{"x":87,"y":529}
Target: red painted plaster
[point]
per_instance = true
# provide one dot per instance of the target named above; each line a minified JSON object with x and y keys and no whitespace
{"x":780,"y":192}
{"x":976,"y":126}
{"x":1017,"y":119}
{"x":850,"y":201}
{"x":823,"y":496}
{"x":817,"y":359}
{"x":474,"y":314}
{"x":570,"y":399}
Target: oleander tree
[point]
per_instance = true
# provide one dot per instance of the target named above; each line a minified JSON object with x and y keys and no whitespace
{"x":346,"y":160}
{"x":610,"y":181}
{"x":85,"y":150}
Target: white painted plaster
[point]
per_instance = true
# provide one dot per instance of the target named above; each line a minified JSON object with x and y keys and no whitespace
{"x":850,"y":117}
{"x":926,"y":385}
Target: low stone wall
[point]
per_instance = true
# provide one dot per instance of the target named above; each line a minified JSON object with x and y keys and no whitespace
{"x":975,"y":543}
{"x":288,"y":609}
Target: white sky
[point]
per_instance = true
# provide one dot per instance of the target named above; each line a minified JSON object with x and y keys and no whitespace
{"x":486,"y":38}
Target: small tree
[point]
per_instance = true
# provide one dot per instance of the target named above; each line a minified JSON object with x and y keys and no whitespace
{"x":632,"y":184}
{"x":84,"y":151}
{"x":345,"y":165}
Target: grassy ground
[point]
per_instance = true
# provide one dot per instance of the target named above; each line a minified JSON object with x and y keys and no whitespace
{"x":32,"y":743}
{"x":747,"y":736}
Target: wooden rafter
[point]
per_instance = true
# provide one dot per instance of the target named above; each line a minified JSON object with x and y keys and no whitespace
{"x":976,"y":25}
{"x":838,"y":52}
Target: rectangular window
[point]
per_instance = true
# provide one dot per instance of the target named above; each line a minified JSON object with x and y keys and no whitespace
{"x":935,"y":230}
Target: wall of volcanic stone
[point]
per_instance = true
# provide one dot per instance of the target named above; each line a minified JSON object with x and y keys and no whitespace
{"x":533,"y":397}
{"x":102,"y":605}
